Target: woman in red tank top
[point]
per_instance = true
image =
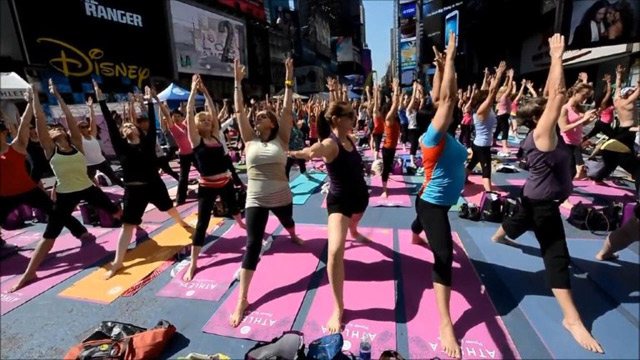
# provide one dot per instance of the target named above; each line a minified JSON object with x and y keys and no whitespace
{"x":378,"y":123}
{"x":392,"y":133}
{"x":17,"y":188}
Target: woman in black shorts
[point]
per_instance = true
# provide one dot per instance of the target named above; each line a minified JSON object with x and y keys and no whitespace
{"x":348,"y":196}
{"x":142,"y":183}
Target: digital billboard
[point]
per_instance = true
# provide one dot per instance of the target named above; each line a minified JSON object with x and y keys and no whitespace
{"x":439,"y":16}
{"x":593,"y":23}
{"x":253,"y":8}
{"x":408,"y":53}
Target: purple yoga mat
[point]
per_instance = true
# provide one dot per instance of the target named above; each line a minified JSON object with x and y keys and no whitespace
{"x":475,"y":319}
{"x":398,"y":194}
{"x":69,"y":259}
{"x":29,"y":236}
{"x":277,"y":289}
{"x":157,"y":216}
{"x":369,"y":295}
{"x":216,"y":267}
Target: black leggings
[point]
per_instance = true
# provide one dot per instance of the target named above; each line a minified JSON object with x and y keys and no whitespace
{"x":206,"y":200}
{"x":503,"y":126}
{"x":414,"y":139}
{"x":183,"y":182}
{"x":434,"y":220}
{"x":105,"y":168}
{"x":576,"y":158}
{"x":387,"y":162}
{"x":465,"y":135}
{"x":232,"y":169}
{"x":67,"y":202}
{"x":629,"y":162}
{"x":599,"y":127}
{"x":163,"y":164}
{"x":404,"y":133}
{"x":37,"y":198}
{"x":301,"y":164}
{"x":377,"y":139}
{"x":256,"y":219}
{"x":482,"y":155}
{"x":543,"y":217}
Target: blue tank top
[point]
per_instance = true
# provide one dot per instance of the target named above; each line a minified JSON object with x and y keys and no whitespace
{"x":346,"y":173}
{"x":484,"y":129}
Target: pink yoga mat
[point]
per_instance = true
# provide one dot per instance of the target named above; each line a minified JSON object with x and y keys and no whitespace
{"x":475,"y":319}
{"x":216,"y":267}
{"x":473,"y":192}
{"x":369,"y":296}
{"x":396,"y":189}
{"x":8,"y":234}
{"x":277,"y":289}
{"x":157,"y":216}
{"x":59,"y":266}
{"x":26,"y":237}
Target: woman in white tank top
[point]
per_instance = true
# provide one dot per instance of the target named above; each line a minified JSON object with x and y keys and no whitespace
{"x":268,"y":187}
{"x":92,"y":150}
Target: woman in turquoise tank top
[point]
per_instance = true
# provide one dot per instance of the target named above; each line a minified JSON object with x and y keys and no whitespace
{"x":69,"y":165}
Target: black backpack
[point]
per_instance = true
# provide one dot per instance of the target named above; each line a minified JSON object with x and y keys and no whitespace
{"x":510,"y":207}
{"x":491,"y":207}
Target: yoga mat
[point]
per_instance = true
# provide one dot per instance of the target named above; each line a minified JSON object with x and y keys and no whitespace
{"x":277,"y":289}
{"x":458,"y":205}
{"x":619,"y":278}
{"x":565,"y":208}
{"x":31,"y":235}
{"x":521,"y":270}
{"x":67,"y":260}
{"x":138,"y":263}
{"x":611,"y":191}
{"x":8,"y":234}
{"x":216,"y":266}
{"x":473,"y":192}
{"x":369,"y":296}
{"x":398,"y":194}
{"x":157,"y":216}
{"x":302,"y":186}
{"x":475,"y":320}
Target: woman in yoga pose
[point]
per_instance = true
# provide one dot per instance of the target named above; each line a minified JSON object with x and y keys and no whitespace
{"x":549,"y":183}
{"x":389,"y":112}
{"x":143,"y":185}
{"x":571,"y":121}
{"x":348,"y":192}
{"x":268,"y":187}
{"x":204,"y":133}
{"x":443,"y":161}
{"x":66,"y":157}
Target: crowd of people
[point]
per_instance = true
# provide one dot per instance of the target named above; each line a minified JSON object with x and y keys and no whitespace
{"x":276,"y":134}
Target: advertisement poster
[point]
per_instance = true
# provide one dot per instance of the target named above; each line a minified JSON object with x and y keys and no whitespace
{"x":408,"y":53}
{"x":595,"y":23}
{"x":344,"y":49}
{"x":206,"y":42}
{"x":408,"y":21}
{"x":439,"y":16}
{"x":253,"y":8}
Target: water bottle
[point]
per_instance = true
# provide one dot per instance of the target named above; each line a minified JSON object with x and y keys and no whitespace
{"x":365,"y":348}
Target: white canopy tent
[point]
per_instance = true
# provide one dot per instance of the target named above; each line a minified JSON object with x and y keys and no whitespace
{"x":12,"y":86}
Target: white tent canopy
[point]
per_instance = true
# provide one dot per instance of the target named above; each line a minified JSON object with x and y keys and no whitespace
{"x":12,"y":86}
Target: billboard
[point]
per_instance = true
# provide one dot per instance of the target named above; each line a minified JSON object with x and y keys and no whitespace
{"x":408,"y":53}
{"x":439,"y":16}
{"x":309,"y":79}
{"x":408,"y":10}
{"x":407,"y":76}
{"x":206,"y":42}
{"x":593,"y":23}
{"x":253,"y":8}
{"x":344,"y":49}
{"x":320,"y":34}
{"x":408,"y":21}
{"x":117,"y":42}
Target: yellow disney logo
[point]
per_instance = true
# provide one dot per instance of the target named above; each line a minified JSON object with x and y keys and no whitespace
{"x":76,"y":63}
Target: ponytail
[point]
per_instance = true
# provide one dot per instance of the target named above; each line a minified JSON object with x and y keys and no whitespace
{"x":323,"y":127}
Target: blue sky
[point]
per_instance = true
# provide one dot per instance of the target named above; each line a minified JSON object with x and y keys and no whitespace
{"x":379,"y":19}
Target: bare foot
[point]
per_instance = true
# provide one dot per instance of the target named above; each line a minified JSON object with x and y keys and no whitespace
{"x":190,"y":229}
{"x":360,"y":238}
{"x":418,"y":240}
{"x":296,"y":240}
{"x":582,"y":336}
{"x":601,"y":256}
{"x":241,"y":224}
{"x":111,"y":272}
{"x":334,"y":325}
{"x":384,"y":195}
{"x":191,"y":271}
{"x":238,"y":313}
{"x":24,"y":280}
{"x":503,"y":240}
{"x":448,"y":341}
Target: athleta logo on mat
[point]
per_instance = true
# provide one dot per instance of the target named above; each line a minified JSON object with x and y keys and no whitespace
{"x":470,"y":348}
{"x":92,"y":8}
{"x":8,"y":298}
{"x":355,"y":334}
{"x":198,"y":285}
{"x":257,"y":318}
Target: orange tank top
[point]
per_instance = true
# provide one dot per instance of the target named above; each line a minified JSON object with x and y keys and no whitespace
{"x":391,"y":132}
{"x":14,"y":179}
{"x":378,"y":125}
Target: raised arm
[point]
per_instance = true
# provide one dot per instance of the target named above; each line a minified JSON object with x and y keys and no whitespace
{"x":72,"y":124}
{"x":41,"y":127}
{"x":607,"y":92}
{"x":211,"y":106}
{"x":619,"y":71}
{"x":285,"y":120}
{"x":521,"y":92}
{"x":243,"y":122}
{"x":485,"y":107}
{"x":544,"y":135}
{"x":507,"y":93}
{"x":93,"y":127}
{"x":635,"y":94}
{"x":152,"y":136}
{"x":414,"y":96}
{"x":393,"y":111}
{"x":467,"y":106}
{"x":437,"y":78}
{"x":531,"y":89}
{"x":117,"y":141}
{"x":192,"y":130}
{"x":444,"y":115}
{"x":486,"y":81}
{"x":22,"y":138}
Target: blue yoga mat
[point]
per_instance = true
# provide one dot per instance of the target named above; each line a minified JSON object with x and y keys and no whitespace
{"x":303,"y":186}
{"x":456,"y":207}
{"x":522,"y":271}
{"x":620,"y":278}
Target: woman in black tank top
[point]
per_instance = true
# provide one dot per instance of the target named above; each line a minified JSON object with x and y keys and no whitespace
{"x":348,"y":195}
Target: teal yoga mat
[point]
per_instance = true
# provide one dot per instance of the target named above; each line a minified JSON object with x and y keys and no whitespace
{"x":302,"y":187}
{"x":456,"y":207}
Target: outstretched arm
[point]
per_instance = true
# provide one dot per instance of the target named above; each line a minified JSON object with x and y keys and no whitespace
{"x":444,"y":115}
{"x":326,"y":149}
{"x":485,"y":107}
{"x":22,"y":139}
{"x":93,"y":127}
{"x":619,"y":71}
{"x":437,"y":78}
{"x":607,"y":92}
{"x":119,"y":144}
{"x":285,"y":120}
{"x":192,"y":130}
{"x":76,"y":135}
{"x":41,"y":127}
{"x":395,"y":101}
{"x":414,"y":95}
{"x":531,"y":89}
{"x":243,"y":122}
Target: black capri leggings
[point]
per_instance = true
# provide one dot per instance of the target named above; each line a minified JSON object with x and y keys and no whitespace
{"x":301,"y":164}
{"x":414,"y":137}
{"x":67,"y":202}
{"x":256,"y":220}
{"x":377,"y":139}
{"x":434,"y":220}
{"x":503,"y":126}
{"x":599,"y":127}
{"x":106,"y":169}
{"x":387,"y":162}
{"x":465,"y":135}
{"x":164,"y":165}
{"x":37,"y":198}
{"x":404,"y":133}
{"x":576,"y":158}
{"x":543,"y":217}
{"x":206,"y":199}
{"x":482,"y":155}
